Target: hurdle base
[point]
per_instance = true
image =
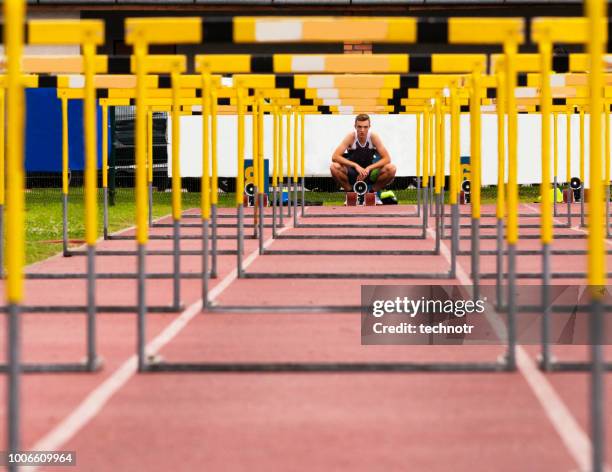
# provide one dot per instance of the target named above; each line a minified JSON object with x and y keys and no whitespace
{"x":62,"y":367}
{"x":315,"y":367}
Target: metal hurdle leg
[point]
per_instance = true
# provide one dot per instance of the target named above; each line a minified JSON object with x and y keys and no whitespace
{"x":425,"y":212}
{"x":303,"y":195}
{"x":608,"y":211}
{"x":437,"y":225}
{"x":213,"y":255}
{"x":454,"y":238}
{"x":442,"y":214}
{"x":431,"y":196}
{"x":281,"y":223}
{"x":65,"y":225}
{"x":260,"y":203}
{"x":240,"y":241}
{"x":597,"y":386}
{"x":545,"y":359}
{"x":1,"y":241}
{"x":289,"y":190}
{"x":150,"y":204}
{"x":205,"y":273}
{"x":582,"y":206}
{"x":142,"y":308}
{"x":570,"y":197}
{"x":92,"y":359}
{"x":14,"y":372}
{"x":418,"y":196}
{"x":475,"y":257}
{"x":295,"y":205}
{"x":499,"y":258}
{"x":555,"y":196}
{"x":176,"y":259}
{"x":256,"y":212}
{"x":511,"y":354}
{"x":274,"y":193}
{"x":105,"y":213}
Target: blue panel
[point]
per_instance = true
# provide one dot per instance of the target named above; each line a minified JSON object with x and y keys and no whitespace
{"x":44,"y":132}
{"x":43,"y":146}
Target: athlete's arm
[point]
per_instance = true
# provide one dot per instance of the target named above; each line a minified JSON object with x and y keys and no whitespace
{"x":385,"y":158}
{"x":340,"y":159}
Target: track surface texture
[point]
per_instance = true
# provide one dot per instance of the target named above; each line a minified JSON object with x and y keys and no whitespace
{"x":117,"y":419}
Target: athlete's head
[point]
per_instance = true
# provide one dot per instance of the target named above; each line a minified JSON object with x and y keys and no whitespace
{"x":362,"y":125}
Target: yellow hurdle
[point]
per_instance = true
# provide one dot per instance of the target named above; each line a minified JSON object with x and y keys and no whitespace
{"x":417,"y":116}
{"x":296,"y":143}
{"x":140,"y":46}
{"x":555,"y":147}
{"x":546,"y":228}
{"x":455,"y":145}
{"x":139,"y":33}
{"x":438,"y":138}
{"x":432,"y":143}
{"x":596,"y":11}
{"x":302,"y":146}
{"x":568,"y":144}
{"x":510,"y":48}
{"x":442,"y":143}
{"x":280,"y":153}
{"x":260,"y":146}
{"x":288,"y":147}
{"x":205,"y":200}
{"x":214,"y":187}
{"x":607,"y":146}
{"x":582,"y":150}
{"x":275,"y":147}
{"x":501,"y":142}
{"x":2,"y":156}
{"x":176,"y":129}
{"x":475,"y":143}
{"x":240,"y":170}
{"x":65,"y":145}
{"x":14,"y":14}
{"x":323,"y":29}
{"x":104,"y":106}
{"x":255,"y":146}
{"x":426,"y":146}
{"x":150,"y":161}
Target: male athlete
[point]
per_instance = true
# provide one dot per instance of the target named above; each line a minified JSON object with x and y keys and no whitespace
{"x":353,"y":159}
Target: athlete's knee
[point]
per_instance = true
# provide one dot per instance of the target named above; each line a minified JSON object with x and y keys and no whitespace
{"x":390,"y":169}
{"x":336,"y":169}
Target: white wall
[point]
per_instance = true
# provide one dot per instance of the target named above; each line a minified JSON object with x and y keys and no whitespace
{"x":324,"y":132}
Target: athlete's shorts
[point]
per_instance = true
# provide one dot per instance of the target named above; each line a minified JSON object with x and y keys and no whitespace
{"x":370,"y":179}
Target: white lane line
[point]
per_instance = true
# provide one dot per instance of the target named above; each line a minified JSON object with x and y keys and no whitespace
{"x":578,"y":229}
{"x":573,"y":436}
{"x":99,"y":397}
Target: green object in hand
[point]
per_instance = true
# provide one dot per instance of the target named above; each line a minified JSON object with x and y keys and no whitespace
{"x":374,"y":175}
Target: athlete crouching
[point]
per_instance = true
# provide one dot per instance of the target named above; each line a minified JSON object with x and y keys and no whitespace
{"x":362,"y":156}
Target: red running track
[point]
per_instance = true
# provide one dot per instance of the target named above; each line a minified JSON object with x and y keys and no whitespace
{"x":119,"y":420}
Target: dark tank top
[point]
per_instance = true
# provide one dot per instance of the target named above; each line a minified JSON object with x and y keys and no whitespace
{"x":361,"y":155}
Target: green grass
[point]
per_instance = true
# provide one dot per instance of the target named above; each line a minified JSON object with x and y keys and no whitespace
{"x":44,"y":216}
{"x":44,"y":212}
